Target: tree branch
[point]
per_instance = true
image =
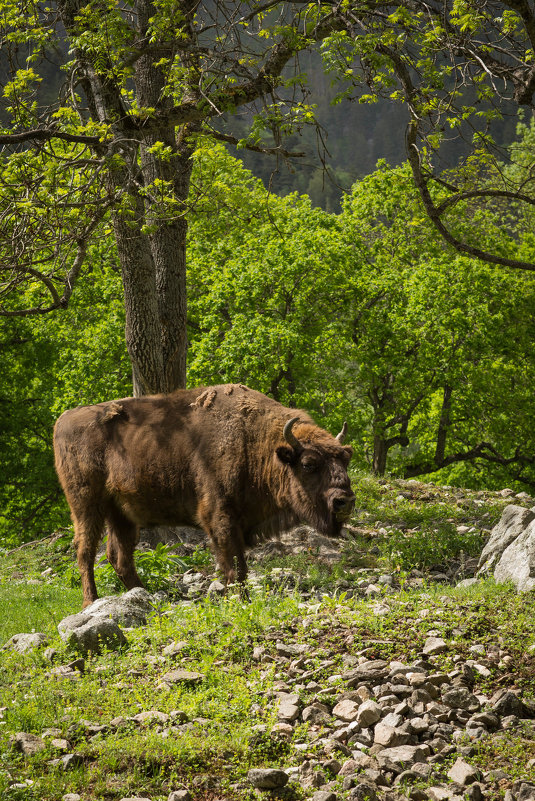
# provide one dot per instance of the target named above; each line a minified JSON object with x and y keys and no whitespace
{"x":273,"y":151}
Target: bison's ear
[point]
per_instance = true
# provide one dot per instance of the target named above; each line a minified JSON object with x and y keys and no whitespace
{"x":286,"y":454}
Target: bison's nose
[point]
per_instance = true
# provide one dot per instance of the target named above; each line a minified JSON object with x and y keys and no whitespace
{"x":342,"y":507}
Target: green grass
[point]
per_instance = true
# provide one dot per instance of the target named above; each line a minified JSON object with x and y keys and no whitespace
{"x":211,"y":756}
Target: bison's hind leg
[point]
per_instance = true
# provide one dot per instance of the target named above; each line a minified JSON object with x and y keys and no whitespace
{"x":87,"y":534}
{"x":122,"y":540}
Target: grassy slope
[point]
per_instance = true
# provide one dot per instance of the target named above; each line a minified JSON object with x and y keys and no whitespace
{"x":212,"y":755}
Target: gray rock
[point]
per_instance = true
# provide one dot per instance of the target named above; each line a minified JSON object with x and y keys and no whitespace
{"x":510,"y":551}
{"x":402,"y":757}
{"x":287,"y":711}
{"x":349,"y":767}
{"x":368,"y":713}
{"x":179,"y":795}
{"x":474,"y":792}
{"x":291,"y":650}
{"x":390,"y":736}
{"x":513,"y":521}
{"x":363,"y":791}
{"x":27,"y":743}
{"x":461,"y":698}
{"x":135,"y":798}
{"x":60,"y":744}
{"x":71,"y":797}
{"x":316,"y":714}
{"x":332,"y":766}
{"x":67,"y":762}
{"x":215,"y":589}
{"x":97,"y":626}
{"x":189,"y":677}
{"x":434,"y":645}
{"x":346,"y":710}
{"x":151,"y":716}
{"x":175,"y":648}
{"x":131,"y":609}
{"x":373,"y":670}
{"x":440,"y":793}
{"x":324,"y":795}
{"x":267,"y":778}
{"x":463,"y":773}
{"x":525,"y":792}
{"x":92,"y":635}
{"x":508,"y":703}
{"x":22,"y":643}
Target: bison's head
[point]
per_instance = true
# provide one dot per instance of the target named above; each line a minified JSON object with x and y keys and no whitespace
{"x":319,"y":487}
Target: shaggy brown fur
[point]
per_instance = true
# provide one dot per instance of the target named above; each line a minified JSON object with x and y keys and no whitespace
{"x":213,"y":456}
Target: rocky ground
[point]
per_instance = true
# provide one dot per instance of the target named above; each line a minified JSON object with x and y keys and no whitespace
{"x":386,"y":683}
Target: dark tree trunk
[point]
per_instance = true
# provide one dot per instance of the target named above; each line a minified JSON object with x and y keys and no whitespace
{"x":380,"y":453}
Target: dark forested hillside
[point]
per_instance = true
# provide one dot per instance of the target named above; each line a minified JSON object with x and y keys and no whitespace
{"x":352,"y":137}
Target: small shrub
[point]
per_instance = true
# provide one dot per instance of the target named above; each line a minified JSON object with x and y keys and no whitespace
{"x":423,"y":549}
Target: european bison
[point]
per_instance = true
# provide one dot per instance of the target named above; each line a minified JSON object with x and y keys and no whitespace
{"x":226,"y":458}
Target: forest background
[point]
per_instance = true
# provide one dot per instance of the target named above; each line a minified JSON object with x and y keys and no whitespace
{"x":332,"y":291}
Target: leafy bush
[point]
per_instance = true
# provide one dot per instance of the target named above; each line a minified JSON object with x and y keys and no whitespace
{"x":427,"y":548}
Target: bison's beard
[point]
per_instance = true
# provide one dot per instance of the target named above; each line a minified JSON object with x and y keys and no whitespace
{"x":324,"y":520}
{"x":330,"y":527}
{"x":321,"y":518}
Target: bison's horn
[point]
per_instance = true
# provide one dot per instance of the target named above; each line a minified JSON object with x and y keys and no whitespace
{"x":342,"y":435}
{"x":290,"y":438}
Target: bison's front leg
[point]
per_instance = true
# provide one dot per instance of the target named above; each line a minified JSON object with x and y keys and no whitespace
{"x":228,"y":544}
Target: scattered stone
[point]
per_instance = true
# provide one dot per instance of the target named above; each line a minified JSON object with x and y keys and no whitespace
{"x":131,"y":609}
{"x":179,"y":795}
{"x":60,"y":744}
{"x":287,"y":711}
{"x":434,"y":645}
{"x":152,"y":716}
{"x":402,"y":757}
{"x":363,"y":792}
{"x":188,"y":677}
{"x":525,"y":792}
{"x":267,"y":778}
{"x":135,"y":798}
{"x":506,"y":703}
{"x":316,"y":714}
{"x":440,"y":793}
{"x":461,"y":698}
{"x":463,"y":773}
{"x":175,"y":648}
{"x":368,"y":713}
{"x":390,"y":736}
{"x":67,"y":762}
{"x":346,"y":710}
{"x":23,"y":643}
{"x":27,"y":743}
{"x":324,"y":795}
{"x":216,"y":589}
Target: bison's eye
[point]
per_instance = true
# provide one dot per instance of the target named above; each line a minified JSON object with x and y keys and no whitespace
{"x":310,"y":465}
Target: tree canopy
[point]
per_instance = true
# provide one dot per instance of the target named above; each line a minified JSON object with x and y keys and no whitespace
{"x":457,"y":67}
{"x":114,"y":143}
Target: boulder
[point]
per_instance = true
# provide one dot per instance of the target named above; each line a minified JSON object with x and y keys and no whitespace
{"x":510,"y":551}
{"x":132,"y":609}
{"x":97,"y":626}
{"x":92,"y":635}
